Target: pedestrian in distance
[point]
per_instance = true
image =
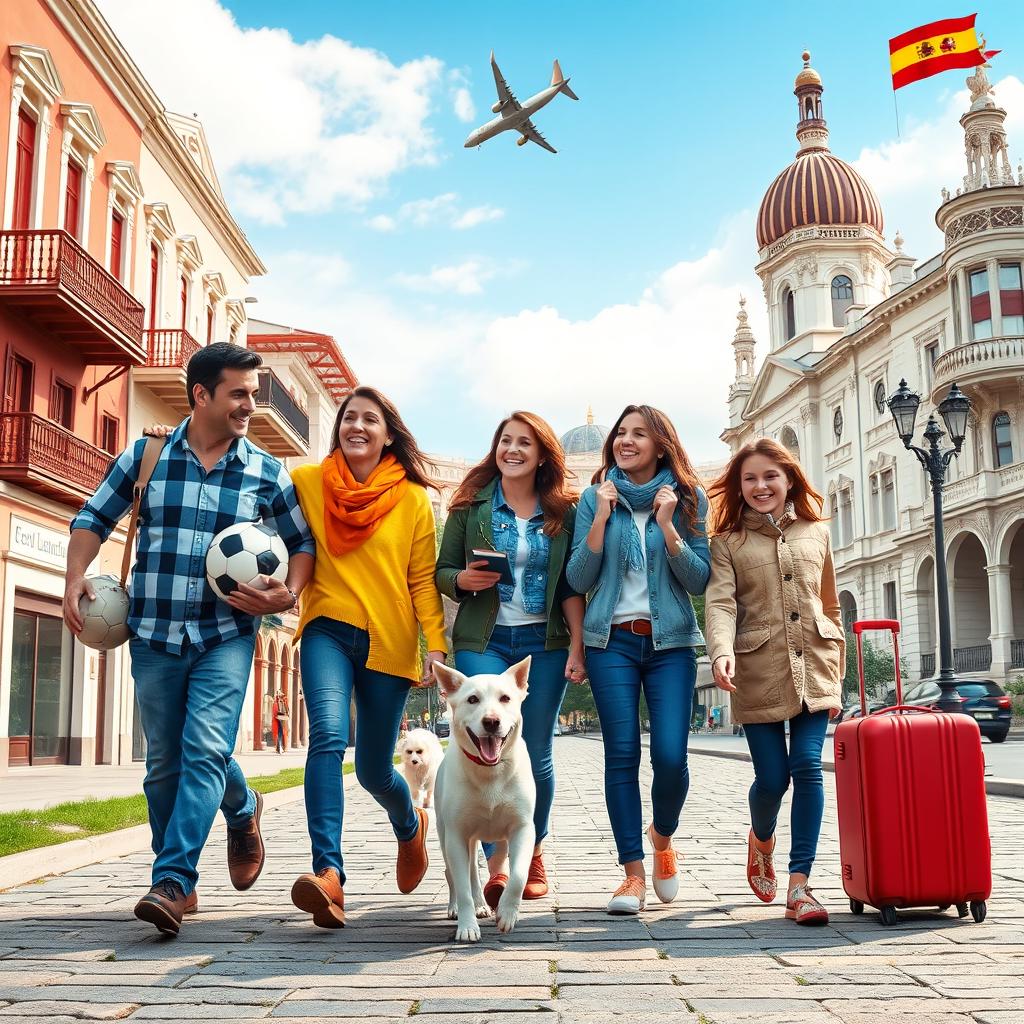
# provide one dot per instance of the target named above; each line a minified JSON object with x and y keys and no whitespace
{"x":280,"y":712}
{"x":518,"y":501}
{"x":776,"y":643}
{"x":191,"y":653}
{"x":371,"y":592}
{"x":640,"y":551}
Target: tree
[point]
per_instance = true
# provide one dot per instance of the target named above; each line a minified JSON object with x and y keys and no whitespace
{"x":879,"y":670}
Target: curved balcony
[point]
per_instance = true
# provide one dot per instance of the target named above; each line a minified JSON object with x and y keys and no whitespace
{"x":167,"y":356}
{"x":279,"y":426}
{"x":978,"y":362}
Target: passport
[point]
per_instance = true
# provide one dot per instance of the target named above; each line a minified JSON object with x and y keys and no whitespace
{"x":497,"y":561}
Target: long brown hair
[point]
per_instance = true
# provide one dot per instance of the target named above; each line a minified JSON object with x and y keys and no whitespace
{"x":553,"y":491}
{"x":674,"y":456}
{"x":726,"y":493}
{"x":418,"y":468}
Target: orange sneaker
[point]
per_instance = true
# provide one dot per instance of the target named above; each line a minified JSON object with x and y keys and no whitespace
{"x":494,"y":888}
{"x":666,"y":875}
{"x":412,"y":856}
{"x":761,"y":871}
{"x":322,"y":896}
{"x":803,"y":908}
{"x":536,"y":880}
{"x":630,"y":897}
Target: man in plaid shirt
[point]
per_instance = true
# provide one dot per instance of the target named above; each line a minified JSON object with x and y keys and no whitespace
{"x":191,"y":653}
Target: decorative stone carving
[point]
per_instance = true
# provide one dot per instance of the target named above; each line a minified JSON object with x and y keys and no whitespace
{"x":809,"y":266}
{"x":809,"y":412}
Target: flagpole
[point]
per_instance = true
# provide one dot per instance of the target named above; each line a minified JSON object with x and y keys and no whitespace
{"x":896,"y":107}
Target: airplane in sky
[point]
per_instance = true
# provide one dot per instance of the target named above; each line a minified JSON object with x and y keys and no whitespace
{"x":515,"y":116}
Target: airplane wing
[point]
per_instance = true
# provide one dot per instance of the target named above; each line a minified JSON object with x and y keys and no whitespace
{"x":529,"y":130}
{"x":508,"y":103}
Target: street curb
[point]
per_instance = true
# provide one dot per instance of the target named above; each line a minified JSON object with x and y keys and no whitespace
{"x":32,"y":865}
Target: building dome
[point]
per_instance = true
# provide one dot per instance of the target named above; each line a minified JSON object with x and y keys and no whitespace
{"x":586,"y":439}
{"x":817,"y":187}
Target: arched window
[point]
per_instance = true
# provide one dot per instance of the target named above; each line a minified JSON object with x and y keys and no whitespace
{"x":881,"y":401}
{"x":788,"y":314}
{"x":1002,"y":445}
{"x":789,"y":440}
{"x":842,"y":298}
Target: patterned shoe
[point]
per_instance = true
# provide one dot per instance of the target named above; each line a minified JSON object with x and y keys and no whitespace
{"x":630,"y":897}
{"x":803,"y":908}
{"x":666,"y":875}
{"x":761,"y":871}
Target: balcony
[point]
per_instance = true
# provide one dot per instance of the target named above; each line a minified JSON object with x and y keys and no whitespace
{"x":167,"y":356}
{"x":51,"y":280}
{"x":978,"y":362}
{"x":279,"y":426}
{"x":47,"y":458}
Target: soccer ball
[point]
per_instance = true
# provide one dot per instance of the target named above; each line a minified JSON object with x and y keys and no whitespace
{"x":241,"y":554}
{"x":106,"y":618}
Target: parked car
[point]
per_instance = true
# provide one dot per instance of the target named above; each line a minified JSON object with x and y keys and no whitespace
{"x":983,"y":699}
{"x":442,"y":730}
{"x":852,"y":710}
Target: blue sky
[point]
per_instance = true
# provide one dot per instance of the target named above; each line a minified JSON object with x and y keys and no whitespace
{"x":507,"y":276}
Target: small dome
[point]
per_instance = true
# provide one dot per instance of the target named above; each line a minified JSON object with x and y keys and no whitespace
{"x":807,"y":75}
{"x":586,"y":439}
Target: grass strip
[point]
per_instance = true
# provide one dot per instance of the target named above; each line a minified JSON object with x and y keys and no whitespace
{"x":80,"y":819}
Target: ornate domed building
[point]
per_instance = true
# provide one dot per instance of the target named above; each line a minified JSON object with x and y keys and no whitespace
{"x":585,"y":439}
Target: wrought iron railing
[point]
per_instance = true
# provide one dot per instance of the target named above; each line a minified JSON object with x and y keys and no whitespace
{"x":1017,"y":654}
{"x":42,"y":259}
{"x":927,"y":665}
{"x":274,"y":394}
{"x":972,"y":659}
{"x":170,"y":348}
{"x":32,"y":442}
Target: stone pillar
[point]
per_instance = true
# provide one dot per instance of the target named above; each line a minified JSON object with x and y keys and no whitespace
{"x":1001,"y":606}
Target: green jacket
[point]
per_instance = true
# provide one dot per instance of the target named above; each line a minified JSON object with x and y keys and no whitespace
{"x":468,"y":528}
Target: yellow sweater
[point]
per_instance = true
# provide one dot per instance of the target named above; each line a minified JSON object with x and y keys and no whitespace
{"x":384,"y":586}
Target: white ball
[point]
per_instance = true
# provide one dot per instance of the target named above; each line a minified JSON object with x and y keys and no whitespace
{"x":106,"y":618}
{"x":242,"y":554}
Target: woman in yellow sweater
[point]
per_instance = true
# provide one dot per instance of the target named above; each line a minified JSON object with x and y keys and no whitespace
{"x":373,"y":584}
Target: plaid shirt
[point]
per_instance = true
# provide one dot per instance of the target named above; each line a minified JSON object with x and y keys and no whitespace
{"x":184,"y":508}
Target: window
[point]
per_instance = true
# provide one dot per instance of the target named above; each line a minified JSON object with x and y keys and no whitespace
{"x":833,"y":520}
{"x":184,"y":302}
{"x":154,"y":280}
{"x":116,"y":242}
{"x":1011,"y":298}
{"x":790,"y":441}
{"x":837,"y":424}
{"x":62,"y":401}
{"x":109,"y":431}
{"x":846,"y":516}
{"x":1002,"y":444}
{"x":888,"y":484}
{"x":73,"y":201}
{"x":788,"y":314}
{"x":881,"y":399}
{"x":24,"y":162}
{"x":209,"y":324}
{"x":931,"y":353}
{"x":889,"y":600}
{"x":981,"y":305}
{"x":954,"y":291}
{"x":17,"y":384}
{"x":842,"y":299}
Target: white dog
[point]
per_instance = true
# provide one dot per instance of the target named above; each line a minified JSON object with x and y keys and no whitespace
{"x":421,"y":753}
{"x":485,"y":792}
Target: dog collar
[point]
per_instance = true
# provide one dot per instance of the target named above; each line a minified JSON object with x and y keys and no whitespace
{"x":479,"y":760}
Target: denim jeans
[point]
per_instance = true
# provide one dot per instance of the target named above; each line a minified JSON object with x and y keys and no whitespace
{"x":508,"y":645}
{"x":618,"y":673}
{"x":333,"y":657}
{"x":774,"y":766}
{"x":189,"y":705}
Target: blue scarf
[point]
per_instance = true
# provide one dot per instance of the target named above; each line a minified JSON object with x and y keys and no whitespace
{"x":639,"y":497}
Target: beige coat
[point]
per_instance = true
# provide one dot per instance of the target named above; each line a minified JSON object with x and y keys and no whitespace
{"x":772,"y":602}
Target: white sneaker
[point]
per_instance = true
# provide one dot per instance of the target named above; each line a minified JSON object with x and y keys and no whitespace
{"x":630,"y":897}
{"x":665,"y":876}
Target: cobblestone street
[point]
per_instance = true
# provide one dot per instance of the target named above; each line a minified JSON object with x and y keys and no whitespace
{"x":70,"y":948}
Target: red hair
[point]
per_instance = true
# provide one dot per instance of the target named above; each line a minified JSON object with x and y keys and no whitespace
{"x":553,"y":491}
{"x":726,"y":493}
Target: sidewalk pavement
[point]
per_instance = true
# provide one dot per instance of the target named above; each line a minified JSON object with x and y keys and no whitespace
{"x":70,"y":949}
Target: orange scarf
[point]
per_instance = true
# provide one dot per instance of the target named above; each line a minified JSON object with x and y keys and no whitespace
{"x":353,"y":511}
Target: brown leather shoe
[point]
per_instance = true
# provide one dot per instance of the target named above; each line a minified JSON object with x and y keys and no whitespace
{"x":536,"y":880}
{"x":246,"y":852}
{"x":163,"y":906}
{"x":322,"y":896}
{"x":191,"y":903}
{"x":494,"y":889}
{"x":412,"y":856}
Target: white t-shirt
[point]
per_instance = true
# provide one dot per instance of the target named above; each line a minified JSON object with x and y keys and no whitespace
{"x":635,"y":597}
{"x":513,"y":612}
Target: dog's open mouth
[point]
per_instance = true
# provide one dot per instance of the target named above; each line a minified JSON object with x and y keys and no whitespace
{"x":488,"y":745}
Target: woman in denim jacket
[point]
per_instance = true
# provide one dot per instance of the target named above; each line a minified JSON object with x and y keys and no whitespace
{"x":517,"y":501}
{"x":639,"y":551}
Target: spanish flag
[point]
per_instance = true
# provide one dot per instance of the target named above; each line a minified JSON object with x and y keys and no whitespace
{"x":931,"y":49}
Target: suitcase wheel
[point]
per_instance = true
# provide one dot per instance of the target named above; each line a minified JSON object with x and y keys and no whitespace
{"x":962,"y":910}
{"x":856,"y":906}
{"x":888,"y":915}
{"x":978,"y":910}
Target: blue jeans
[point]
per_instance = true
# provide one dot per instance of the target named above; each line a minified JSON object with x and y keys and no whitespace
{"x":508,"y":645}
{"x":189,"y":705}
{"x":618,"y":673}
{"x":333,"y":656}
{"x":774,"y":766}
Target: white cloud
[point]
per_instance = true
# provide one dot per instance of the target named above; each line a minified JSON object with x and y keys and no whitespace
{"x":467,"y":278}
{"x":326,"y":270}
{"x":441,"y":210}
{"x":478,"y":215}
{"x":294,"y":127}
{"x":462,"y":99}
{"x":424,"y":212}
{"x":382,"y":222}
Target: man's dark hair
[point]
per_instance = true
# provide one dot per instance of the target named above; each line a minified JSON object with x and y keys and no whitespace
{"x":207,"y":366}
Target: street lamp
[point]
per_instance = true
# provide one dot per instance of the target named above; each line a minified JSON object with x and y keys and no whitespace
{"x":954,"y":410}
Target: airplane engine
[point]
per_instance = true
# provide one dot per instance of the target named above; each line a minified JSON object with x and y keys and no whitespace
{"x":522,"y":140}
{"x":497,"y":106}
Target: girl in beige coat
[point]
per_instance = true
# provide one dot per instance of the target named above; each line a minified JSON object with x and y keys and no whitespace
{"x":776,"y":644}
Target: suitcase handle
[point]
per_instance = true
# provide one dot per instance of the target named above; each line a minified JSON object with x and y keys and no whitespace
{"x":891,"y":626}
{"x":900,"y":709}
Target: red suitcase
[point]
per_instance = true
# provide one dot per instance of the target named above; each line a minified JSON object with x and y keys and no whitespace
{"x":913,"y":825}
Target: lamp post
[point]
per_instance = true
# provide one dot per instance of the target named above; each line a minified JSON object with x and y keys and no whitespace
{"x":954,"y":410}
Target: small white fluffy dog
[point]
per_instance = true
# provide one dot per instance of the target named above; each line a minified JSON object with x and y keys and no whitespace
{"x":485,"y":792}
{"x":421,"y":753}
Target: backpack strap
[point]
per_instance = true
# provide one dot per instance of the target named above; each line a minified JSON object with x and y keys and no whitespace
{"x":150,"y":457}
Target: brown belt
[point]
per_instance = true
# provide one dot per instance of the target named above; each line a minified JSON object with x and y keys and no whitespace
{"x":639,"y":627}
